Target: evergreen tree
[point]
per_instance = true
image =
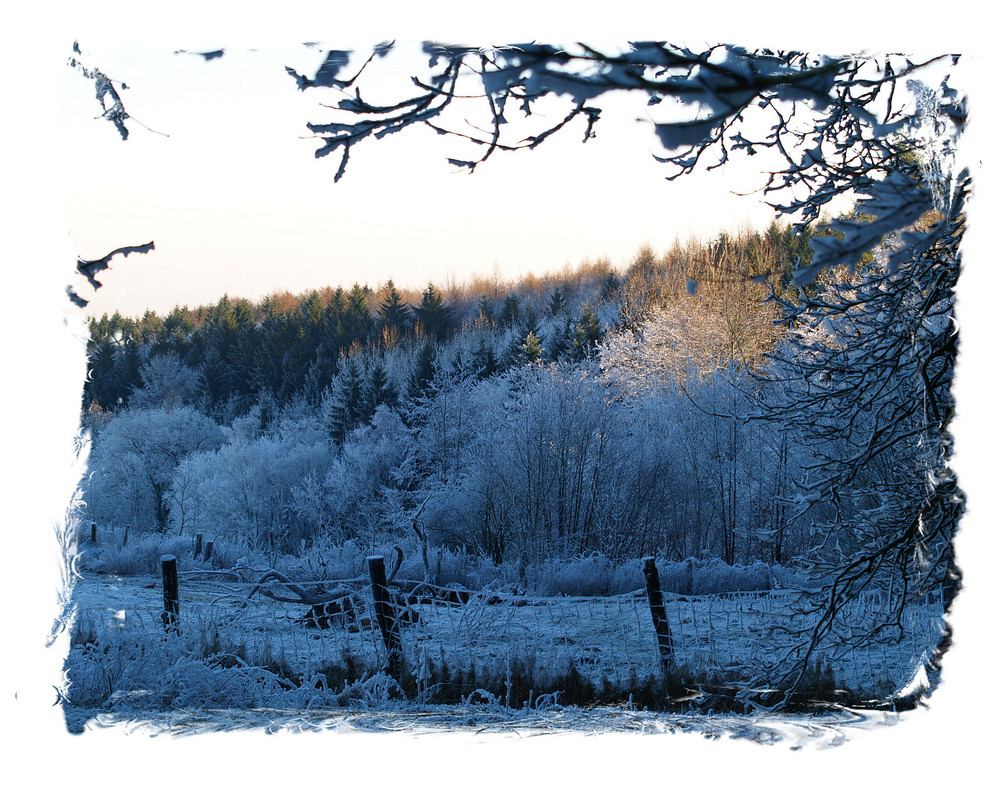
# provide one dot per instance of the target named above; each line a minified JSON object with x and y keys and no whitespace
{"x":510,"y":313}
{"x":423,"y":372}
{"x":347,"y":406}
{"x":277,"y":336}
{"x":529,"y":321}
{"x":394,"y":317}
{"x":128,"y":363}
{"x":379,"y":390}
{"x":212,"y":381}
{"x":102,"y":386}
{"x":587,"y":335}
{"x":295,"y":363}
{"x":485,"y":311}
{"x":241,"y":363}
{"x":610,"y":287}
{"x":560,"y":342}
{"x":176,"y":333}
{"x":484,"y":361}
{"x":331,"y":340}
{"x":434,"y":315}
{"x":150,"y":328}
{"x":356,"y":321}
{"x":531,"y":348}
{"x":557,"y":302}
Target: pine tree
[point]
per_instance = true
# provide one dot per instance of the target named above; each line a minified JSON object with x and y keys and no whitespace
{"x":484,"y":361}
{"x":379,"y":390}
{"x":394,"y":317}
{"x":423,"y":372}
{"x":485,"y":311}
{"x":587,"y":335}
{"x":610,"y":287}
{"x":241,"y":364}
{"x":557,"y":302}
{"x":348,"y":403}
{"x":560,"y":342}
{"x":434,"y":315}
{"x":510,"y":314}
{"x":531,"y":348}
{"x":127,"y":366}
{"x":356,"y":321}
{"x":102,"y":386}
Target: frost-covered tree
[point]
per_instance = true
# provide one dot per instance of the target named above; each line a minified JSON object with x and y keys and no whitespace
{"x":864,"y":385}
{"x":134,"y":460}
{"x":166,"y":382}
{"x":244,"y":489}
{"x":880,"y":127}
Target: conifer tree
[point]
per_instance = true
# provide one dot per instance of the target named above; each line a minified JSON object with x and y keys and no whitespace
{"x":485,"y":311}
{"x":560,"y":342}
{"x":348,"y":403}
{"x":379,"y":390}
{"x":394,"y":317}
{"x":423,"y":372}
{"x":356,"y":321}
{"x":510,"y":313}
{"x":557,"y":302}
{"x":531,"y":348}
{"x":587,"y":334}
{"x":434,"y":315}
{"x":484,"y":361}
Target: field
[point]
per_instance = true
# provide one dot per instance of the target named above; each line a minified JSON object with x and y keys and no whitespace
{"x":513,"y":660}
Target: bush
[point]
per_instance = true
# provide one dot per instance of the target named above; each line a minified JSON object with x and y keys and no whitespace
{"x":714,"y":576}
{"x":141,"y":554}
{"x":590,"y":576}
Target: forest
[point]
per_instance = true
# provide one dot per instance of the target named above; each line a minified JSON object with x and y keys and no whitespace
{"x":588,"y":412}
{"x":746,"y":436}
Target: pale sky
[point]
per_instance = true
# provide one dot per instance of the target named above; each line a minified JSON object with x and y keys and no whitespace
{"x":226,"y":183}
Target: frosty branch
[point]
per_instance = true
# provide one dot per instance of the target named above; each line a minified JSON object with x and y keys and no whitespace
{"x":837,"y":124}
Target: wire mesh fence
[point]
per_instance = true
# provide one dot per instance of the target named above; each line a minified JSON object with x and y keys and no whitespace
{"x":471,"y":637}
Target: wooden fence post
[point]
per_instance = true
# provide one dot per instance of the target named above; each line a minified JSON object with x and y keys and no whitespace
{"x":93,"y":533}
{"x":125,"y":537}
{"x":208,"y":549}
{"x":171,"y":598}
{"x":663,"y":640}
{"x":197,"y":544}
{"x":385,"y":614}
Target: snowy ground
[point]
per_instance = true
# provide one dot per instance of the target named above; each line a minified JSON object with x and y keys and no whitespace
{"x":831,"y":728}
{"x":213,"y":676}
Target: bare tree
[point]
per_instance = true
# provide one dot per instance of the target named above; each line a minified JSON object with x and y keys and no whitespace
{"x":836,"y":124}
{"x":866,"y":375}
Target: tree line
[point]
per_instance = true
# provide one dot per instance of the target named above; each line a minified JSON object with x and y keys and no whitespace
{"x":595,"y":413}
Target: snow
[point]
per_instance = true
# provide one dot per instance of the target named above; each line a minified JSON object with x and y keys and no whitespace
{"x":191,"y":684}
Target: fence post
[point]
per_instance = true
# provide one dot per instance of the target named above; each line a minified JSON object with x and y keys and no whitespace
{"x":663,"y":641}
{"x":93,"y":533}
{"x":385,"y":614}
{"x":171,"y":599}
{"x":208,"y":549}
{"x":197,"y":544}
{"x":125,"y":537}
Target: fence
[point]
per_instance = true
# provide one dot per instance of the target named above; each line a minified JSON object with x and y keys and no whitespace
{"x":481,"y":639}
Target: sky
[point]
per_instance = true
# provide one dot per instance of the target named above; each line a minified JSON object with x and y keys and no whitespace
{"x":219,"y":170}
{"x":947,"y":745}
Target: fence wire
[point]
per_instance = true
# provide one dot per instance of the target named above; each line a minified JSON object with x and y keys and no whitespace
{"x":605,"y":639}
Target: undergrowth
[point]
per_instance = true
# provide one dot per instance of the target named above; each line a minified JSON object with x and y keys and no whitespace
{"x":111,"y":667}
